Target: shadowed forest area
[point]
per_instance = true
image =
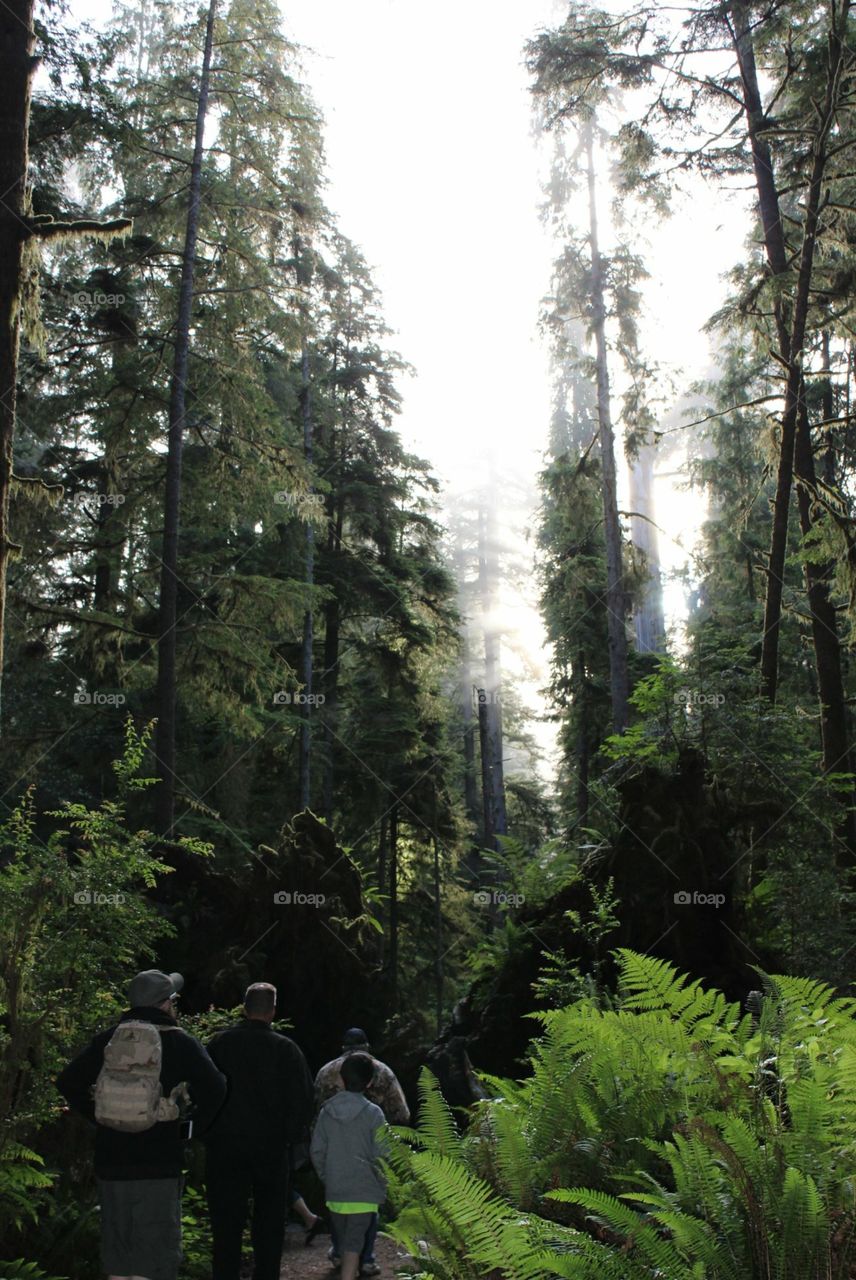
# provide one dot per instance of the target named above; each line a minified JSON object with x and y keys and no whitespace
{"x":259,"y":716}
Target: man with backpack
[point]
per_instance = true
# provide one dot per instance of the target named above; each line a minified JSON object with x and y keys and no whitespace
{"x":267,"y":1110}
{"x":137,"y":1081}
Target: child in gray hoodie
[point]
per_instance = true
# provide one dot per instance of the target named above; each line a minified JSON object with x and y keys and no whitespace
{"x":346,"y":1146}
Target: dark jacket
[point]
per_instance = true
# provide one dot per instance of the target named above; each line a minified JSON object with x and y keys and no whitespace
{"x":269,"y":1100}
{"x":157,"y":1152}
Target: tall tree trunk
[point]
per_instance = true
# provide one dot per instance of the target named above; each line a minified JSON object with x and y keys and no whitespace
{"x":490,"y":697}
{"x":168,"y":608}
{"x":828,"y":405}
{"x":331,"y":703}
{"x":834,"y":726}
{"x":392,"y":955}
{"x":309,"y":578}
{"x":382,"y":854}
{"x":488,"y":828}
{"x":796,"y":453}
{"x":583,"y":744}
{"x":619,"y":680}
{"x":18,"y":228}
{"x":472,"y":860}
{"x":17,"y":64}
{"x":438,"y":933}
{"x":790,"y":320}
{"x":648,"y":614}
{"x":471,"y":791}
{"x":332,"y":632}
{"x":112,"y":529}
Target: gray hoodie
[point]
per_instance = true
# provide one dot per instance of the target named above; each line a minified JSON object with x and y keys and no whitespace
{"x":346,"y":1146}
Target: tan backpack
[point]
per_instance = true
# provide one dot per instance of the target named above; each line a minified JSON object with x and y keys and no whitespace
{"x":128,"y":1092}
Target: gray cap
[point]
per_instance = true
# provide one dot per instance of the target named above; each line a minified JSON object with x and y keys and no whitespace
{"x":153,"y":987}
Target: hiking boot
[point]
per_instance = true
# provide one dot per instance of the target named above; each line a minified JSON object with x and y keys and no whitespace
{"x":333,"y":1258}
{"x":370,"y":1269}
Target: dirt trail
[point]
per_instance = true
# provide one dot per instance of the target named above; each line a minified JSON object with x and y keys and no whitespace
{"x":300,"y":1263}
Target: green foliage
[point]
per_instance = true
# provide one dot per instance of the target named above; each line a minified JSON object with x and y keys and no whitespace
{"x":534,"y":876}
{"x":559,"y":982}
{"x":22,"y":1178}
{"x":699,"y":1141}
{"x":75,"y":916}
{"x":195,"y":1235}
{"x":19,"y":1269}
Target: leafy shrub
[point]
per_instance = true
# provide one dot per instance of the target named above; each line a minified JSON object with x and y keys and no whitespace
{"x":673,"y":1137}
{"x":195,"y":1235}
{"x":22,"y":1178}
{"x":75,"y":918}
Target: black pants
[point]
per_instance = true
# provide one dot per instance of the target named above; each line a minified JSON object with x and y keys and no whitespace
{"x":233,"y":1174}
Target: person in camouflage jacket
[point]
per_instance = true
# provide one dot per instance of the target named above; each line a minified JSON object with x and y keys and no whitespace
{"x":386,"y":1093}
{"x":384,"y":1090}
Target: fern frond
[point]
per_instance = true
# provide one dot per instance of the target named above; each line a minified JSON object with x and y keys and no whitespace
{"x":437,"y":1131}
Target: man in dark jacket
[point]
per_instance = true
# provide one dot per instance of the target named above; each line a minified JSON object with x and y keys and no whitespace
{"x":268,"y":1108}
{"x":139,"y":1174}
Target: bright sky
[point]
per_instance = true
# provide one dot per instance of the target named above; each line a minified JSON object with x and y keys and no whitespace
{"x":434,"y":174}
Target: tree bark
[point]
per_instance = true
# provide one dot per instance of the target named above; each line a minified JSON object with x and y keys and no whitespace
{"x":168,"y":607}
{"x":438,"y":933}
{"x":790,"y":321}
{"x":331,"y":702}
{"x":796,"y":457}
{"x":583,"y":746}
{"x":834,"y":726}
{"x":18,"y":228}
{"x":309,"y":578}
{"x":17,"y":64}
{"x":332,"y":632}
{"x":619,"y":680}
{"x":488,"y":829}
{"x":648,"y":615}
{"x":471,"y":793}
{"x":490,"y":697}
{"x":392,"y":957}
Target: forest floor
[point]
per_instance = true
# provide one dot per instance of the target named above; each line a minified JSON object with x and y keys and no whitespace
{"x":300,"y":1263}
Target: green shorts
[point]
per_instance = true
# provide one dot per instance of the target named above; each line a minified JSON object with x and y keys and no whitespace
{"x":141,"y":1227}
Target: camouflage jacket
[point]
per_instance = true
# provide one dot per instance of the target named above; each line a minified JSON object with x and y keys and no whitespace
{"x":384,"y":1090}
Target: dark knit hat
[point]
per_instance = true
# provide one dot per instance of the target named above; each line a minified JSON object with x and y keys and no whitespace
{"x":353,"y":1037}
{"x":151,"y":987}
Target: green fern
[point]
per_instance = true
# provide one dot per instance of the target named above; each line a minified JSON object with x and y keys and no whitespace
{"x":439,"y":1132}
{"x":22,"y":1176}
{"x":21,"y":1270}
{"x":668,"y":1138}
